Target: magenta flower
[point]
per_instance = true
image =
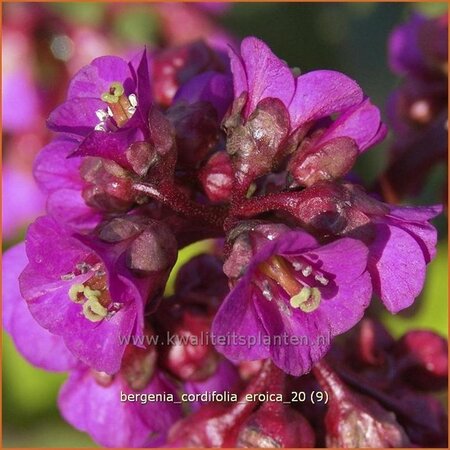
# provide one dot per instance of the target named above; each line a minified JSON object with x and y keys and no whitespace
{"x":103,"y":96}
{"x":404,"y":244}
{"x":280,"y":109}
{"x":419,"y":47}
{"x":307,"y":97}
{"x":107,"y":106}
{"x":417,"y":109}
{"x":94,"y":402}
{"x":296,"y":288}
{"x":85,"y":292}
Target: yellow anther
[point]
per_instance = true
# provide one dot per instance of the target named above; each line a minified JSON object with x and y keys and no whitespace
{"x":120,"y":106}
{"x":74,"y":290}
{"x":116,"y":88}
{"x":109,"y":98}
{"x":88,"y":292}
{"x":93,"y":310}
{"x":301,"y":297}
{"x":308,"y":299}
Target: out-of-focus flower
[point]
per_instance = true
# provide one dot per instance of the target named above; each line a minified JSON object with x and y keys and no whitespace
{"x":418,"y":108}
{"x":187,"y":22}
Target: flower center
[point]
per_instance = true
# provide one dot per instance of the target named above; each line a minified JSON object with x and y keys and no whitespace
{"x":296,"y":279}
{"x":93,"y":295}
{"x":120,"y":107}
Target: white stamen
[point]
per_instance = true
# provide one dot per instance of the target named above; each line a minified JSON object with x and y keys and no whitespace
{"x":83,"y":267}
{"x":267,"y":293}
{"x":100,"y":127}
{"x":297,"y":266}
{"x":307,"y":271}
{"x":321,"y":279}
{"x":101,"y":114}
{"x":68,"y":276}
{"x":133,"y":100}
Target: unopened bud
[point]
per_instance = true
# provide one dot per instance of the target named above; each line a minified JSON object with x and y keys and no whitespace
{"x":217,"y":177}
{"x":276,"y":426}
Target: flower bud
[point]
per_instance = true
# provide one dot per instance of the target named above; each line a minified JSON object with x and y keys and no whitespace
{"x":254,"y":145}
{"x":141,"y":156}
{"x":330,"y":160}
{"x":201,"y":281}
{"x":138,"y":366}
{"x":217,"y":177}
{"x":191,"y":357}
{"x":372,"y":342}
{"x":108,"y":186}
{"x":120,"y":229}
{"x":197,"y":131}
{"x":276,"y":426}
{"x":354,"y":420}
{"x":248,"y":238}
{"x":154,"y":250}
{"x":423,"y":359}
{"x":175,"y":66}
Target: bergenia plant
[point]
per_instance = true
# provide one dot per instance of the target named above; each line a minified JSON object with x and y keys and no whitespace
{"x":173,"y":147}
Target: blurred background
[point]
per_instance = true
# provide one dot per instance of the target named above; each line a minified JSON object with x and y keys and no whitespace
{"x":44,"y":44}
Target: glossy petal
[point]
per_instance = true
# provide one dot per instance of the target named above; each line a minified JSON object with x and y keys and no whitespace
{"x":76,"y":115}
{"x":321,"y":93}
{"x":397,"y":266}
{"x":266,"y":74}
{"x":361,"y":123}
{"x":95,"y":79}
{"x":414,"y":221}
{"x":109,"y":145}
{"x":237,"y":314}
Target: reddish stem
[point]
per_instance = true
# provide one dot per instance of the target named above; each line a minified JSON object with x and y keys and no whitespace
{"x":168,"y":194}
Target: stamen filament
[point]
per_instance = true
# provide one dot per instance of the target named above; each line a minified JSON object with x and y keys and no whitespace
{"x":122,"y":109}
{"x":278,"y":269}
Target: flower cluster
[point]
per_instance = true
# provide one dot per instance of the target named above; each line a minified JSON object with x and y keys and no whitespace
{"x":169,"y":148}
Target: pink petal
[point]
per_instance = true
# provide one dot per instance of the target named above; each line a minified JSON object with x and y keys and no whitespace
{"x":397,"y":266}
{"x":321,"y":93}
